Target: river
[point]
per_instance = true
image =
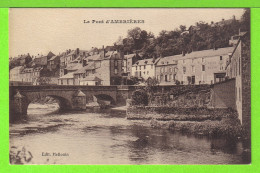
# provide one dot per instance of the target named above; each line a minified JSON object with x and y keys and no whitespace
{"x":99,"y":136}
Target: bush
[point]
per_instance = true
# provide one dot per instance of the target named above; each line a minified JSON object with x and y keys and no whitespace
{"x":140,"y":97}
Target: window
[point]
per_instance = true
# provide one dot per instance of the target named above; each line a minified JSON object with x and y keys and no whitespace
{"x":136,"y":68}
{"x":220,"y":58}
{"x":203,"y":67}
{"x":116,"y":71}
{"x":193,"y":68}
{"x":144,"y":66}
{"x":116,"y":63}
{"x":184,"y":70}
{"x":147,"y":72}
{"x":140,"y":67}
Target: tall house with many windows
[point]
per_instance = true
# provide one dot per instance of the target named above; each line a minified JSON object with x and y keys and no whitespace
{"x":203,"y":67}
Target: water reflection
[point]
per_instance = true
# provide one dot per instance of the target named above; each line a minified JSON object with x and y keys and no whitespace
{"x":106,"y":137}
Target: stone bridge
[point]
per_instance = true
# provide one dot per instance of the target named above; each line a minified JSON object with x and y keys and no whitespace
{"x":69,"y":97}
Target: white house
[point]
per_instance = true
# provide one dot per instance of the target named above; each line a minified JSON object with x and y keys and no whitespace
{"x":144,"y":68}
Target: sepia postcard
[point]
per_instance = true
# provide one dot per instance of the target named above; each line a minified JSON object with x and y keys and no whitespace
{"x":129,"y":86}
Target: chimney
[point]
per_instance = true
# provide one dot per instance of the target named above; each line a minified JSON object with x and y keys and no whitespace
{"x":84,"y":62}
{"x":234,"y":17}
{"x":154,"y":59}
{"x":69,"y":50}
{"x":183,"y":53}
{"x":77,"y":51}
{"x":104,"y":52}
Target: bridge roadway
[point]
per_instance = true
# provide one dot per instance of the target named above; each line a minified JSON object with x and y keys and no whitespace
{"x":70,"y":97}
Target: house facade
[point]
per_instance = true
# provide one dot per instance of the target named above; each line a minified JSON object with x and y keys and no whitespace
{"x":238,"y":68}
{"x":15,"y":73}
{"x":130,"y":60}
{"x":203,"y":67}
{"x":166,"y":70}
{"x":42,"y":60}
{"x":144,"y":68}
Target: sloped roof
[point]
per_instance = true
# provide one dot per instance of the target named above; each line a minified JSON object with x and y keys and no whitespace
{"x":169,"y":60}
{"x":80,"y":93}
{"x":67,"y":76}
{"x":129,"y":56}
{"x":54,"y":57}
{"x":94,"y":57}
{"x":91,"y":78}
{"x":146,"y":61}
{"x":207,"y":53}
{"x":17,"y":68}
{"x":90,"y":66}
{"x":74,"y":66}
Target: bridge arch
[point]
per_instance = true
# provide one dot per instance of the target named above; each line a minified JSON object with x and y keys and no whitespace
{"x":105,"y":97}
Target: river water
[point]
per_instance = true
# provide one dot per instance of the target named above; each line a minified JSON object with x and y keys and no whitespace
{"x":107,"y":137}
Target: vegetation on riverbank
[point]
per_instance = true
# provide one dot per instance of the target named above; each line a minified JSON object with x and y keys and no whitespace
{"x":198,"y":121}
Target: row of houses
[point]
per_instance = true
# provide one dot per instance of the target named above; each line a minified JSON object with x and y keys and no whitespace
{"x":200,"y":67}
{"x":107,"y":66}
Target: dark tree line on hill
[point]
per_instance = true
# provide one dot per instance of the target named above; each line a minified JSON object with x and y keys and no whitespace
{"x":202,"y":36}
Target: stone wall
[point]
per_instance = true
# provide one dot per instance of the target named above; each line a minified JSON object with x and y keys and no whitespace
{"x":223,"y":95}
{"x":246,"y":82}
{"x":181,"y":96}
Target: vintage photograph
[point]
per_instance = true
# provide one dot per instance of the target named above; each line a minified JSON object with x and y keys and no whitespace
{"x":129,"y":86}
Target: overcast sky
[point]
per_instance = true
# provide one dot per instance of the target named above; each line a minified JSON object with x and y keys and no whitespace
{"x":37,"y":31}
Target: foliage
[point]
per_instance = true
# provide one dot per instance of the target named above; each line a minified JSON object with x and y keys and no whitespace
{"x":140,"y":98}
{"x":201,"y":36}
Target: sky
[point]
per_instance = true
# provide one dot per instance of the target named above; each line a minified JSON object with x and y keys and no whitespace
{"x":40,"y":30}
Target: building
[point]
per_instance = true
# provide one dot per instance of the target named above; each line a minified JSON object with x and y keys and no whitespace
{"x":144,"y":68}
{"x":84,"y":72}
{"x":90,"y":80}
{"x":203,"y":67}
{"x":130,"y":60}
{"x":53,"y":63}
{"x":15,"y":73}
{"x":31,"y":75}
{"x":25,"y":59}
{"x":238,"y":68}
{"x":42,"y":60}
{"x":67,"y":79}
{"x":166,"y":70}
{"x":108,"y":67}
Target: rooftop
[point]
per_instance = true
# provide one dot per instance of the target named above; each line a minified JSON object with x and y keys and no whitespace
{"x":147,"y":61}
{"x":67,"y":76}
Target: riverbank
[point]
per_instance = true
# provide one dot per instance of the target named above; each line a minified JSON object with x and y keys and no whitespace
{"x":198,"y":121}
